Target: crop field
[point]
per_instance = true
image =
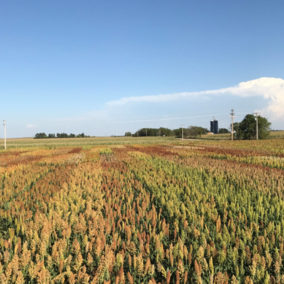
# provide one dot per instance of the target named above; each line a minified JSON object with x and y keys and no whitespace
{"x":172,"y":212}
{"x":65,"y":142}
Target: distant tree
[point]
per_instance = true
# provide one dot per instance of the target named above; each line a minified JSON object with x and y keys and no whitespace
{"x":127,"y":134}
{"x":224,"y":130}
{"x":40,"y":135}
{"x":247,"y":128}
{"x":51,"y":135}
{"x":62,"y":135}
{"x":81,"y":135}
{"x":164,"y":131}
{"x":194,"y":131}
{"x":154,"y":132}
{"x":177,"y":132}
{"x":72,"y":135}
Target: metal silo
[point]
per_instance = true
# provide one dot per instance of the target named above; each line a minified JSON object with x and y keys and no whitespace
{"x":212,"y":126}
{"x":216,"y":128}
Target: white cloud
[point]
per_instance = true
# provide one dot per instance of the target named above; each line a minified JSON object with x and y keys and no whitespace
{"x":31,"y":126}
{"x":271,"y":89}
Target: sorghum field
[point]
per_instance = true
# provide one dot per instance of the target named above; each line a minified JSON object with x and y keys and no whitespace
{"x":197,"y":212}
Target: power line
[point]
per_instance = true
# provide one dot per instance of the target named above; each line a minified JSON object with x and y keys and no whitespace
{"x":159,"y":119}
{"x":165,"y":119}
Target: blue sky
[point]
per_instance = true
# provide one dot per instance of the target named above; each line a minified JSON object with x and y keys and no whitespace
{"x":65,"y":66}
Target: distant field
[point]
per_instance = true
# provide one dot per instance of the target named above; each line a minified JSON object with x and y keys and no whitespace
{"x":227,"y":136}
{"x":277,"y":134}
{"x":63,"y":142}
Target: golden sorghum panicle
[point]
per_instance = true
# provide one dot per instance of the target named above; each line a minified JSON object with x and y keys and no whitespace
{"x":277,"y":267}
{"x":140,"y":265}
{"x":31,"y":270}
{"x":200,"y":253}
{"x":219,"y":278}
{"x":253,"y":269}
{"x":268,"y":259}
{"x":205,"y":264}
{"x":72,"y":278}
{"x":147,"y":266}
{"x":68,"y":260}
{"x":248,"y":254}
{"x":171,"y":260}
{"x":42,"y":250}
{"x":185,"y":277}
{"x":189,"y":258}
{"x":8,"y":271}
{"x":168,"y":277}
{"x":180,"y":267}
{"x":234,"y":280}
{"x":197,"y":268}
{"x":15,"y":264}
{"x":6,"y":256}
{"x":129,"y":260}
{"x":20,"y":278}
{"x":152,"y":270}
{"x":61,"y":263}
{"x":76,"y":247}
{"x":119,"y":260}
{"x":131,"y":248}
{"x":211,"y":266}
{"x":218,"y":224}
{"x":177,"y":277}
{"x":134,"y":262}
{"x":25,"y":258}
{"x":78,"y":262}
{"x":89,"y":259}
{"x":121,"y":275}
{"x":3,"y":279}
{"x":248,"y":280}
{"x":130,"y":278}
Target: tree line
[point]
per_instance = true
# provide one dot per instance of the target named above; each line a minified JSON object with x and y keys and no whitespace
{"x":244,"y":130}
{"x":42,"y":135}
{"x":191,"y":131}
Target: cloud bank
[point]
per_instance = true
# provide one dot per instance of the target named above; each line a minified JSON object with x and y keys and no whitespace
{"x":271,"y":89}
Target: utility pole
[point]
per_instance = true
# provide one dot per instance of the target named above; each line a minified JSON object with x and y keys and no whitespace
{"x":232,"y":128}
{"x":256,"y":114}
{"x":4,"y":133}
{"x":182,"y":132}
